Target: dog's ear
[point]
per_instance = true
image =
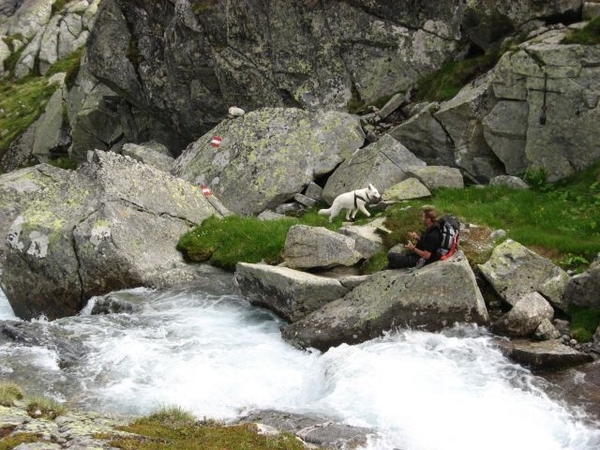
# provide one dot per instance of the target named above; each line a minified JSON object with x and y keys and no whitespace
{"x":371,"y":187}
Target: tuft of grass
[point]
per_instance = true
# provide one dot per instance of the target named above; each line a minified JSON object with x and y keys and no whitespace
{"x":584,"y":322}
{"x":174,"y":428}
{"x":44,"y":407}
{"x":9,"y":392}
{"x":446,"y":82}
{"x":588,"y":35}
{"x":172,"y":416}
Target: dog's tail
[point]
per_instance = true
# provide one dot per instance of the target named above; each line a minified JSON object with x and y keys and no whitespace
{"x":325,"y":212}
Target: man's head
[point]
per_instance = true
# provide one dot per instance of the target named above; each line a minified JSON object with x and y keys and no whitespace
{"x":429,"y":215}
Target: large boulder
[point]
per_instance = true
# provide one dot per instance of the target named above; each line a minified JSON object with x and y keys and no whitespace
{"x":269,"y":155}
{"x":513,"y":270}
{"x":583,"y":289}
{"x":289,"y":293}
{"x":309,"y":247}
{"x":382,"y":163}
{"x":113,"y":224}
{"x":544,"y":356}
{"x":434,"y":297}
{"x":525,"y":317}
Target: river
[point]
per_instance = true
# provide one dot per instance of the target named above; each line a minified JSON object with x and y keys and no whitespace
{"x":208,"y":351}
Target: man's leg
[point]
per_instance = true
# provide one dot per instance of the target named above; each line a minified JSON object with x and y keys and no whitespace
{"x":402,"y":260}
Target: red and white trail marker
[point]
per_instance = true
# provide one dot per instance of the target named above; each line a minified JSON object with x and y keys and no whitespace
{"x":205,"y":189}
{"x":216,"y":141}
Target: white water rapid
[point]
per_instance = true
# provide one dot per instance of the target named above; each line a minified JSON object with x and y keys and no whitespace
{"x":217,"y":357}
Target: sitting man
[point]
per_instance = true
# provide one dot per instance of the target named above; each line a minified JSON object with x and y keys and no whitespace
{"x":425,"y":250}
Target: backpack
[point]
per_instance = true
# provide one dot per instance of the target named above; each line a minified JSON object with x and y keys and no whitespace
{"x":450,"y":230}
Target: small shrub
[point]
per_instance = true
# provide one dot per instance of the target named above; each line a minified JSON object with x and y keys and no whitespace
{"x":9,"y":392}
{"x":536,"y":178}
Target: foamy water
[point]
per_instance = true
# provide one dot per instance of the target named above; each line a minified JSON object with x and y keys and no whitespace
{"x":218,"y":357}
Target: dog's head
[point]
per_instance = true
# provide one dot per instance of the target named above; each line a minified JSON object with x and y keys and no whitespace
{"x":373,"y":194}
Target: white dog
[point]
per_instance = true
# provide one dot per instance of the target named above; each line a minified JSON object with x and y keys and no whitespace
{"x":352,"y":202}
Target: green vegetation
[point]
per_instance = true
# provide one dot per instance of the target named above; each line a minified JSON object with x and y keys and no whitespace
{"x":225,"y":242}
{"x":584,"y":322}
{"x":560,"y":221}
{"x":445,"y":83}
{"x":588,"y":35}
{"x":23,"y":101}
{"x":45,"y":407}
{"x":10,"y":442}
{"x":70,"y":65}
{"x":174,"y":428}
{"x":9,"y":392}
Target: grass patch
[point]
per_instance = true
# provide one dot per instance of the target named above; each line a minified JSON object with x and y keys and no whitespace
{"x":44,"y":407}
{"x":174,"y":428}
{"x":584,"y":322}
{"x":23,"y":102}
{"x":10,"y":442}
{"x":588,"y":35}
{"x":225,"y":242}
{"x":446,"y":82}
{"x":560,"y":221}
{"x":9,"y":392}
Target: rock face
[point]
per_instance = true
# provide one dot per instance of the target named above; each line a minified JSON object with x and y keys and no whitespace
{"x":267,"y":156}
{"x":535,"y":110}
{"x":111,"y":225}
{"x":434,"y":297}
{"x":192,"y":61}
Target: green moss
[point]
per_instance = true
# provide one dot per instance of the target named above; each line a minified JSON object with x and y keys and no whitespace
{"x":588,"y":35}
{"x":445,"y":83}
{"x":584,"y":322}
